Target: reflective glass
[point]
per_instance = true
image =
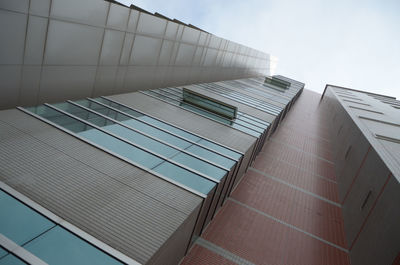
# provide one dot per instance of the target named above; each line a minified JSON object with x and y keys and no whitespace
{"x":170,"y":128}
{"x":3,"y":252}
{"x":121,"y":148}
{"x":221,"y":149}
{"x":199,"y":165}
{"x":98,"y":137}
{"x":10,"y":259}
{"x":58,"y":246}
{"x":185,"y":177}
{"x":18,"y":222}
{"x":216,"y":158}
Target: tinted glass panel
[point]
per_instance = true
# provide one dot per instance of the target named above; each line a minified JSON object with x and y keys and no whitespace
{"x":221,"y":149}
{"x":218,"y":159}
{"x":199,"y":165}
{"x":18,"y":222}
{"x":58,"y":246}
{"x":185,"y":177}
{"x":3,"y":252}
{"x":10,"y":259}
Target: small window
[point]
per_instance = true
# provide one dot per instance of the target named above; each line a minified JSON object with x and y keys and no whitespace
{"x":277,"y":82}
{"x":209,"y":104}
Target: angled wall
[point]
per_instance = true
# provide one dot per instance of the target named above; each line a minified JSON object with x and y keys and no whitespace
{"x":53,"y":50}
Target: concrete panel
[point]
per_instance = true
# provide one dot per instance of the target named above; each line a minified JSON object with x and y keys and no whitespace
{"x":171,"y":30}
{"x":149,"y":24}
{"x":185,"y":54}
{"x":138,"y":78}
{"x":190,"y":35}
{"x":378,"y":242}
{"x":214,"y":42}
{"x":92,"y":12}
{"x":12,"y":37}
{"x":118,"y":17}
{"x":35,"y":40}
{"x":119,"y":79}
{"x":73,"y":82}
{"x":203,"y":38}
{"x":166,"y":52}
{"x":363,"y":193}
{"x":210,"y":57}
{"x":39,"y":7}
{"x":197,"y":56}
{"x":112,"y":46}
{"x":133,"y":20}
{"x":30,"y":85}
{"x":105,"y":79}
{"x":15,"y":5}
{"x":74,"y":44}
{"x":127,"y":48}
{"x":145,"y":50}
{"x":10,"y":77}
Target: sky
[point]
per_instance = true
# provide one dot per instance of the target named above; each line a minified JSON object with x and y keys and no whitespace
{"x":353,"y":43}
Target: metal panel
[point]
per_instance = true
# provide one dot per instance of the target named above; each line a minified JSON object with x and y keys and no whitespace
{"x":70,"y":43}
{"x":113,"y":201}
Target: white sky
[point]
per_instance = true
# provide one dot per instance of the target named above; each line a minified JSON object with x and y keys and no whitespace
{"x":353,"y":43}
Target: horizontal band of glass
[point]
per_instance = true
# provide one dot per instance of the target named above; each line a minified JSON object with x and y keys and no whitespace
{"x":145,"y":127}
{"x":257,"y":88}
{"x":124,"y":149}
{"x":170,"y":128}
{"x":162,"y":95}
{"x":177,"y":94}
{"x":43,"y":238}
{"x":240,"y":96}
{"x":137,"y":137}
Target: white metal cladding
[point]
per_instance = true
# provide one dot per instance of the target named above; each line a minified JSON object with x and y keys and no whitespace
{"x":58,"y":50}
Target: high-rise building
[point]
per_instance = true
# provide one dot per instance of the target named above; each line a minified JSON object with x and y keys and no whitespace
{"x":131,"y":138}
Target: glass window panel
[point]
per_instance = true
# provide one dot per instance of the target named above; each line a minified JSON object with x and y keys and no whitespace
{"x":199,"y":165}
{"x":185,"y":177}
{"x":120,"y":147}
{"x":18,"y":222}
{"x":148,"y":143}
{"x":170,"y":128}
{"x":102,"y":139}
{"x":207,"y":154}
{"x":3,"y":252}
{"x":10,"y":259}
{"x":221,"y":149}
{"x":59,"y":246}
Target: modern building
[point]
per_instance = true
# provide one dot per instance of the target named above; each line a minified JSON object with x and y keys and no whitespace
{"x":131,"y":138}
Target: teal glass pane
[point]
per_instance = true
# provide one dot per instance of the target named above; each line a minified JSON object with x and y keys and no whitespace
{"x":3,"y":252}
{"x":18,"y":222}
{"x":119,"y":107}
{"x":59,"y":246}
{"x":10,"y":259}
{"x":157,"y":133}
{"x":144,"y":141}
{"x":59,"y":118}
{"x":246,"y":130}
{"x":220,"y":149}
{"x":120,"y":147}
{"x":102,"y":139}
{"x":170,"y":128}
{"x":185,"y":177}
{"x":199,"y":165}
{"x":216,"y":158}
{"x":103,"y":110}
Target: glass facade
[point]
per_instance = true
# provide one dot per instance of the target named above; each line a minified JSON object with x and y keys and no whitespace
{"x":43,"y":238}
